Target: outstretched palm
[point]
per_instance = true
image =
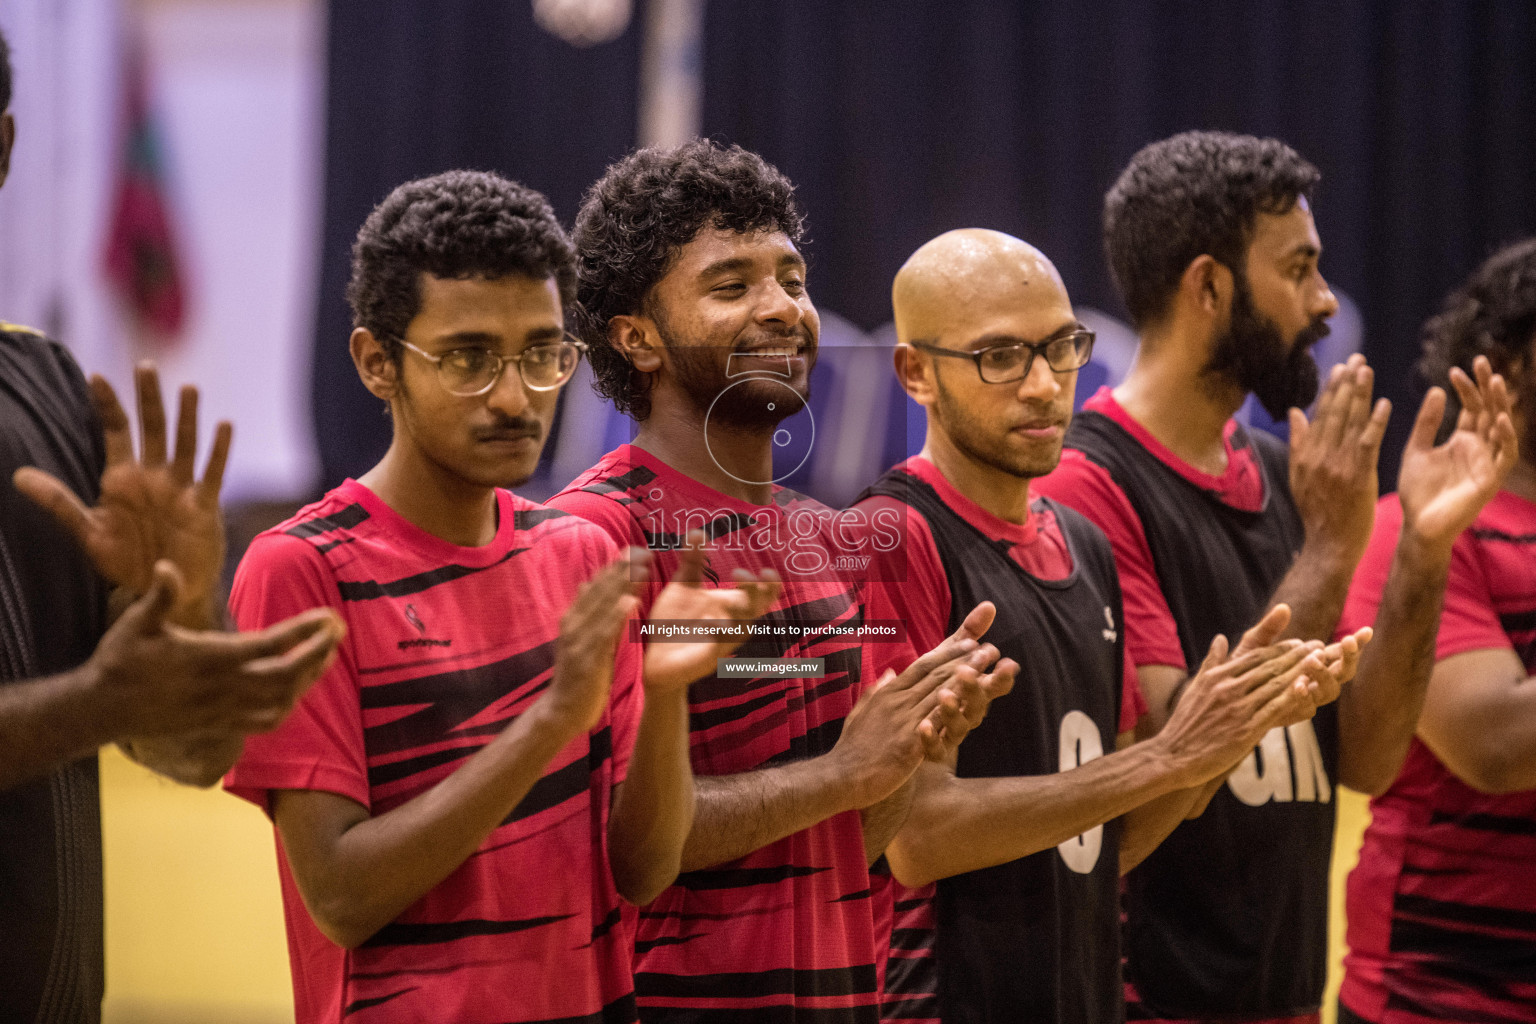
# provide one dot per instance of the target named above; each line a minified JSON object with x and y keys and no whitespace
{"x":1443,"y":487}
{"x":149,"y":508}
{"x":674,"y":664}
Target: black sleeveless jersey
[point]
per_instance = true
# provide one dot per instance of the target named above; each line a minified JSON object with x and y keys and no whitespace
{"x":1228,"y":917}
{"x":1036,"y":939}
{"x":52,"y":613}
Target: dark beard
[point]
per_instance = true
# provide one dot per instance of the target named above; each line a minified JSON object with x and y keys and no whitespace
{"x":700,"y":371}
{"x":964,"y":429}
{"x":1253,"y":355}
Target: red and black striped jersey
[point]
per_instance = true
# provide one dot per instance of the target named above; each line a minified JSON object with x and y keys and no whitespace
{"x":1442,"y":906}
{"x":785,"y":934}
{"x":447,"y":645}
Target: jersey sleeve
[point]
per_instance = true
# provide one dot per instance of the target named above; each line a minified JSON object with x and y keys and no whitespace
{"x":320,"y":745}
{"x":612,"y":517}
{"x":1151,"y":635}
{"x":1469,"y":621}
{"x":906,"y":583}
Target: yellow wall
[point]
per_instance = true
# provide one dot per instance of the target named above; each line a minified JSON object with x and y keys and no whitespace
{"x":194,"y":919}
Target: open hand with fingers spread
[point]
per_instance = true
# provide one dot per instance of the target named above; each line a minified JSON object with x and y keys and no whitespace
{"x":1333,"y":460}
{"x":163,"y":680}
{"x":674,"y":664}
{"x":1443,"y":487}
{"x":149,"y":508}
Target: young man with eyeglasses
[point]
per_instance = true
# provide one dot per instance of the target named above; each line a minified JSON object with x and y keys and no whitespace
{"x":464,"y":799}
{"x":693,"y":290}
{"x":1212,"y":244}
{"x":1027,"y":832}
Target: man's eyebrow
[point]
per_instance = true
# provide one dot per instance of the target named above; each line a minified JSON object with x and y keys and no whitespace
{"x":997,"y":340}
{"x":1305,"y":250}
{"x":485,"y":339}
{"x":729,"y":265}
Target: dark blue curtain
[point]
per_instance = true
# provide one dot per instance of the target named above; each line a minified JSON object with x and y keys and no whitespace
{"x":900,"y":119}
{"x":421,"y":86}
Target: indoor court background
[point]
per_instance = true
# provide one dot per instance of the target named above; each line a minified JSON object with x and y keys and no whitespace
{"x":281,"y":122}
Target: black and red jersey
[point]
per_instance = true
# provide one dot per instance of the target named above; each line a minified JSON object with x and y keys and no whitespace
{"x":786,"y":933}
{"x":1228,"y":918}
{"x":445,"y":647}
{"x":1442,"y":905}
{"x":1038,"y":938}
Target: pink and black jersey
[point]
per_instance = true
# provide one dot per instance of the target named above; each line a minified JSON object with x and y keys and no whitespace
{"x":1228,"y":918}
{"x":1442,"y":906}
{"x":785,"y":934}
{"x":1038,"y":938}
{"x":446,"y":645}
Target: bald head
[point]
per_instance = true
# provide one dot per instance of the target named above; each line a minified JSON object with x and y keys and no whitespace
{"x":964,"y":275}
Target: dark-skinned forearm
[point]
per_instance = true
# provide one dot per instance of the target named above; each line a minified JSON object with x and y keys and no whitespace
{"x":1315,"y":589}
{"x":958,"y":825}
{"x":653,"y":808}
{"x":883,"y":820}
{"x":1143,"y":830}
{"x":735,"y":815}
{"x":358,"y":881}
{"x":51,"y":721}
{"x":1380,"y":708}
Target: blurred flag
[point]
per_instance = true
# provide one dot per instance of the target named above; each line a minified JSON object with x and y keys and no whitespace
{"x":141,"y":253}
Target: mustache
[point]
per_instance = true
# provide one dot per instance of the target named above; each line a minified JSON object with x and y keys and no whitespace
{"x":767,"y":336}
{"x":1313,"y":333}
{"x":517,"y":426}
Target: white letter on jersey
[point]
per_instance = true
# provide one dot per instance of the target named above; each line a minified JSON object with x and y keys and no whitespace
{"x":1256,"y":785}
{"x":1080,"y":743}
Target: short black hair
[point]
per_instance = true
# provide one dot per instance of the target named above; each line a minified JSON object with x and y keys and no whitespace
{"x":5,"y":74}
{"x":639,"y":215}
{"x":1492,"y":314}
{"x":458,"y":224}
{"x":1193,"y":194}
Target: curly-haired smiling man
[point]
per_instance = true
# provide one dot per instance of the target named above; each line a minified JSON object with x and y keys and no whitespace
{"x":695,"y":305}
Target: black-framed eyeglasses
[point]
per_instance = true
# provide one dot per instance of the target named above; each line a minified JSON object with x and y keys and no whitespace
{"x":467,"y":372}
{"x":1003,"y":364}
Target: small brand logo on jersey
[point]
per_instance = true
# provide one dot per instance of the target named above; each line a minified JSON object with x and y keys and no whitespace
{"x":1109,"y":617}
{"x":421,"y":627}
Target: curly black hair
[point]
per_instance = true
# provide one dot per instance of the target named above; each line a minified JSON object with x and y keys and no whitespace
{"x":1492,"y":314}
{"x":457,"y":224}
{"x":1193,"y":194}
{"x":637,"y":217}
{"x":5,"y":74}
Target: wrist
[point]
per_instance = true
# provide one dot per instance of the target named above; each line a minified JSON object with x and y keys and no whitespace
{"x":556,"y":719}
{"x":846,"y":782}
{"x":1330,"y":553}
{"x":1181,"y":769}
{"x":1418,"y":553}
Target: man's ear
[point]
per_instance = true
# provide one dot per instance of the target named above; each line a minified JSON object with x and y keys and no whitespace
{"x":1207,"y":286}
{"x":911,"y":371}
{"x":379,"y":372}
{"x":7,"y":142}
{"x":636,"y":339}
